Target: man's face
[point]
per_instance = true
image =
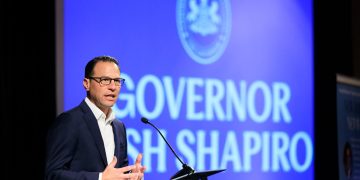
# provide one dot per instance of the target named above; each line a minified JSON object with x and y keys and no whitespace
{"x":103,"y":96}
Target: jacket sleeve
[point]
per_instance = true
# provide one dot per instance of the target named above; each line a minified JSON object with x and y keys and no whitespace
{"x":60,"y":147}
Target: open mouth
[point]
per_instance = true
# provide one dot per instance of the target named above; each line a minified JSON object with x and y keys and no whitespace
{"x":110,"y":96}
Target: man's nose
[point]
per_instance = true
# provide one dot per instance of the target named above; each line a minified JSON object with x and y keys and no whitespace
{"x":112,"y":84}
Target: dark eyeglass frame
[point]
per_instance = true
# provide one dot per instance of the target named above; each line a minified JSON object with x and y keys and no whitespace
{"x":105,"y":81}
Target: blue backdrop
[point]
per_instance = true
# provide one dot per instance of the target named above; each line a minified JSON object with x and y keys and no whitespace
{"x":230,"y":83}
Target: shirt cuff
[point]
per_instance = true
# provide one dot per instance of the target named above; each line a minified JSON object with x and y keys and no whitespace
{"x":100,"y":176}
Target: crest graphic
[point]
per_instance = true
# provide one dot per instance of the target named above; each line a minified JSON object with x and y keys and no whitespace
{"x":204,"y":28}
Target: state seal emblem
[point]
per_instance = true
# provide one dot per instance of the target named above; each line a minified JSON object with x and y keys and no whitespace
{"x":204,"y":28}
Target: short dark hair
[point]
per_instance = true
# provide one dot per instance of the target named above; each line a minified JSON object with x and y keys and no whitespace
{"x":91,"y":64}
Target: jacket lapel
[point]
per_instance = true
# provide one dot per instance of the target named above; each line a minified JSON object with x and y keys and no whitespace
{"x":94,"y":130}
{"x":116,"y":140}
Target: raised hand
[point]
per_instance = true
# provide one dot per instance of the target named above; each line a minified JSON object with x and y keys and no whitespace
{"x":138,"y":167}
{"x":112,"y":173}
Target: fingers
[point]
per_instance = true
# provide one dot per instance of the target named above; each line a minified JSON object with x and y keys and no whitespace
{"x":138,"y":158}
{"x":127,"y":168}
{"x":137,"y":170}
{"x":139,"y":167}
{"x":141,"y":173}
{"x":135,"y":176}
{"x":142,"y":169}
{"x":121,"y":173}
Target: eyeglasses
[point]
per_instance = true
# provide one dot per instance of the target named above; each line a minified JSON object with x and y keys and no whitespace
{"x":106,"y":81}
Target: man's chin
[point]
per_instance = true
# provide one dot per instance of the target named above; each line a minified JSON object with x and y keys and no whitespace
{"x":109,"y":104}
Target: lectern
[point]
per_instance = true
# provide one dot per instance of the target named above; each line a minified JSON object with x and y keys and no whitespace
{"x":202,"y":175}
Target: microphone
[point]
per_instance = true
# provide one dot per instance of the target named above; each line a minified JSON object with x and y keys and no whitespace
{"x":185,"y":168}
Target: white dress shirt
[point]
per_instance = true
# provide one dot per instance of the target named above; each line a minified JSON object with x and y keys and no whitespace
{"x":105,"y":129}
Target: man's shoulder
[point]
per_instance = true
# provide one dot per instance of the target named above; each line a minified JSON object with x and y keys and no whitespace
{"x":73,"y":114}
{"x":73,"y":111}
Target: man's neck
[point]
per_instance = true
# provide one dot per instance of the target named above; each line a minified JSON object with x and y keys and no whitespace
{"x":105,"y":110}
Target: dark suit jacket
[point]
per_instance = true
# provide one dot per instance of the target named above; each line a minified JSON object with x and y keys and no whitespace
{"x":75,"y":149}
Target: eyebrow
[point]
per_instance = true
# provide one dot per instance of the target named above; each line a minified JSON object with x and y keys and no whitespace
{"x":107,"y":77}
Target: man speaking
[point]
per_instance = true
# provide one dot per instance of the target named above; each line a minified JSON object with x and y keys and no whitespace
{"x":87,"y":142}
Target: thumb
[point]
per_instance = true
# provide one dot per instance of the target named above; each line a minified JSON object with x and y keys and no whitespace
{"x":113,"y":162}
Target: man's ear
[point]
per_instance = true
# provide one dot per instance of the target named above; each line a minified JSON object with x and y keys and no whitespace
{"x":86,"y":84}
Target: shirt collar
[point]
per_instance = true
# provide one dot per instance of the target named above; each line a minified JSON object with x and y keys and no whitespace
{"x":98,"y":113}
